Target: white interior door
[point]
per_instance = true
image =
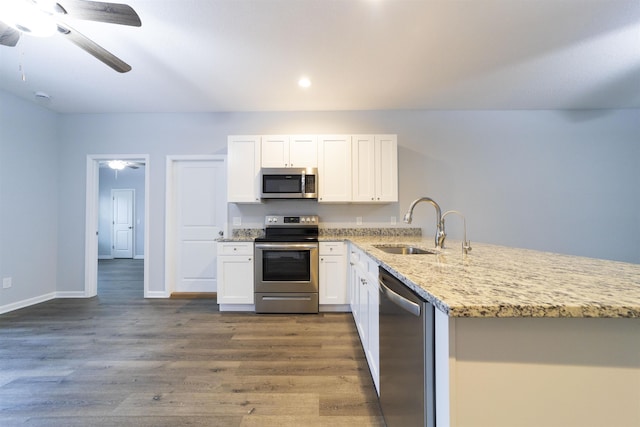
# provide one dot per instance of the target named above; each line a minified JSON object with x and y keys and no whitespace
{"x":200,"y":217}
{"x":123,"y":207}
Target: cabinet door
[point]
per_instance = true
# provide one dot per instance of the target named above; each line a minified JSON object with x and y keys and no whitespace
{"x":373,"y":329}
{"x":363,"y":310}
{"x":235,"y":279}
{"x":275,"y":151}
{"x":353,"y":283}
{"x":363,"y":168}
{"x":334,"y":168}
{"x":386,"y":168}
{"x":243,"y":170}
{"x":333,"y":279}
{"x":303,"y":151}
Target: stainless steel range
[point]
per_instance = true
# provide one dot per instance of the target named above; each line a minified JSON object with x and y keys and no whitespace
{"x":286,"y":265}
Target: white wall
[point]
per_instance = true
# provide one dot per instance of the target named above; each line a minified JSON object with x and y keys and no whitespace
{"x":559,"y":181}
{"x":125,"y":179}
{"x":28,"y":202}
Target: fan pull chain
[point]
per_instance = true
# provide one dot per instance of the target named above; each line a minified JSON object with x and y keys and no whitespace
{"x":23,"y":76}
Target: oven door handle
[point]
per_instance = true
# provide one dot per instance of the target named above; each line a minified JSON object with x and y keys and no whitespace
{"x":286,"y":246}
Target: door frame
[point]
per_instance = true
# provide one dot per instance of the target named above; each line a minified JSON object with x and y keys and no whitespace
{"x":170,"y":217}
{"x":91,"y":219}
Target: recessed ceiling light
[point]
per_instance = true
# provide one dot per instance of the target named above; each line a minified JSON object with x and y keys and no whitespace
{"x":304,"y":82}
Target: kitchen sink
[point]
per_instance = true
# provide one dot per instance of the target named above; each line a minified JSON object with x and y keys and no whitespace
{"x":405,"y":250}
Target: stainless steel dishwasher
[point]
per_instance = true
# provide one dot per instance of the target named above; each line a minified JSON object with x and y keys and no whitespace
{"x":407,"y":395}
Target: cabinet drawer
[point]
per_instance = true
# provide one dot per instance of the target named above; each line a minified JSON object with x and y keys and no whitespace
{"x":235,"y":248}
{"x":332,"y":248}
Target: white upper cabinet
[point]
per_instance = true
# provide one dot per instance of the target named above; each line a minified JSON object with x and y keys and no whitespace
{"x":334,"y":168}
{"x":289,"y":151}
{"x":351,"y":168}
{"x":303,"y":151}
{"x":374,"y":168}
{"x":386,"y":167}
{"x":243,"y":172}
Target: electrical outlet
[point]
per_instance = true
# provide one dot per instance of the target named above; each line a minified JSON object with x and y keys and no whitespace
{"x":393,"y":220}
{"x":237,"y":220}
{"x":358,"y":220}
{"x":6,"y":283}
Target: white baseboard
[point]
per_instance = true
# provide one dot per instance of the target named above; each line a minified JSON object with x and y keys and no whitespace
{"x":105,"y":256}
{"x":336,"y":308}
{"x":157,"y":294}
{"x":138,"y":257}
{"x":71,"y":294}
{"x":27,"y":302}
{"x":238,"y":307}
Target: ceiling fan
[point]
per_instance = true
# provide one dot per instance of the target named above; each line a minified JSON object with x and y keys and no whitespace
{"x":121,"y":164}
{"x":47,"y":17}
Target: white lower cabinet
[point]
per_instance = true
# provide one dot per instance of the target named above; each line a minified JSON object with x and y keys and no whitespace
{"x":235,"y":276}
{"x":333,"y":277}
{"x":364,"y":299}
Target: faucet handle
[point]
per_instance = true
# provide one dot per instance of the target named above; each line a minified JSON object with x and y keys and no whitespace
{"x":466,"y":246}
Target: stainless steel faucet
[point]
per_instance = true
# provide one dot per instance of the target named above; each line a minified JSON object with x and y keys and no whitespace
{"x":440,"y":236}
{"x":466,"y":245}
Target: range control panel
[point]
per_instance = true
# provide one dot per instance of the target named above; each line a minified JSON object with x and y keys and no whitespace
{"x":288,"y":220}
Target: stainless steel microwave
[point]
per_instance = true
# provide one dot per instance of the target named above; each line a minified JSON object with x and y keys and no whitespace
{"x":289,"y":183}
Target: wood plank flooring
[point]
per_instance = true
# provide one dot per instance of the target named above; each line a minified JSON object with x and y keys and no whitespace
{"x":121,"y":360}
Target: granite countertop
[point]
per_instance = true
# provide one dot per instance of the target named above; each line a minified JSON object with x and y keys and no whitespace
{"x":498,"y":281}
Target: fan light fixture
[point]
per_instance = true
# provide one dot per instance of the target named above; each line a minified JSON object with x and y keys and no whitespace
{"x":117,"y":164}
{"x":28,"y":17}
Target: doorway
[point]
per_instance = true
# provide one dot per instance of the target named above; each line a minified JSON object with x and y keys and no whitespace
{"x":196,"y":216}
{"x":99,"y":231}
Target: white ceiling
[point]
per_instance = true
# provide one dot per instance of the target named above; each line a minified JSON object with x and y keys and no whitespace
{"x":247,"y":55}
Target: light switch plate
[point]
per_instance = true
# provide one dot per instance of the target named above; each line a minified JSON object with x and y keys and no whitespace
{"x":237,"y":220}
{"x":6,"y":283}
{"x":358,"y":220}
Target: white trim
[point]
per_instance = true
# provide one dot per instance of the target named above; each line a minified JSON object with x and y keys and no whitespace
{"x":91,"y":219}
{"x":138,"y":257}
{"x":238,"y":307}
{"x":334,"y":308}
{"x":70,"y":294}
{"x":27,"y":302}
{"x":105,"y":256}
{"x":169,"y":232}
{"x":157,"y":294}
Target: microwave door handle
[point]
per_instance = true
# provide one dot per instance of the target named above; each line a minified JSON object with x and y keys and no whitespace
{"x":302,"y":182}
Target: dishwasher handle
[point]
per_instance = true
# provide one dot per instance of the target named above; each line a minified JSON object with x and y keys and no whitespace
{"x":399,"y":300}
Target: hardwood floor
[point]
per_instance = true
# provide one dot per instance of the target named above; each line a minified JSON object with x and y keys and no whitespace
{"x":122,"y":360}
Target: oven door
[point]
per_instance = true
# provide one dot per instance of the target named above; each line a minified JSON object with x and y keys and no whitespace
{"x":286,"y":267}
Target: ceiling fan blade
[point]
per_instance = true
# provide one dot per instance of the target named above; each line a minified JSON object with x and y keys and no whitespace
{"x":8,"y":35}
{"x":113,"y":13}
{"x":94,"y":49}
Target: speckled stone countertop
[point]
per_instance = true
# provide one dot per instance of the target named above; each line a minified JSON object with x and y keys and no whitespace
{"x":498,"y":281}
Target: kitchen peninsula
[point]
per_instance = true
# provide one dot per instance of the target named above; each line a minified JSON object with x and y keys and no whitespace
{"x":522,"y":338}
{"x":526,"y":338}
